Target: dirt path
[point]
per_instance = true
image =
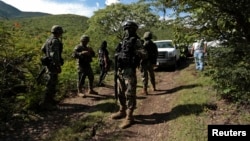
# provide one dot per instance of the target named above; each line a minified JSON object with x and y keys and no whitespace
{"x":151,"y":115}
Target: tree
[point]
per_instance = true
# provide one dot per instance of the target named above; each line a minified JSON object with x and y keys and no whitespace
{"x":218,"y":19}
{"x":108,"y":21}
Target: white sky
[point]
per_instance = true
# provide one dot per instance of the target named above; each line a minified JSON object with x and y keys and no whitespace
{"x":78,"y":7}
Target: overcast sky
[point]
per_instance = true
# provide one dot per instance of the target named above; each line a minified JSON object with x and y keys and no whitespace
{"x":78,"y":7}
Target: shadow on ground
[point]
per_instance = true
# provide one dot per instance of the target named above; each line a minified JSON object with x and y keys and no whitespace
{"x":178,"y":111}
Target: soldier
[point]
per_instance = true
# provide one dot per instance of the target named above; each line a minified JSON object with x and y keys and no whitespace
{"x":128,"y":54}
{"x":53,"y":48}
{"x":147,"y":65}
{"x":104,"y":62}
{"x":84,"y":55}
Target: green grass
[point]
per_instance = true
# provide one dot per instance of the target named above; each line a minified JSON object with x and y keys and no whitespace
{"x":198,"y":105}
{"x":192,"y":104}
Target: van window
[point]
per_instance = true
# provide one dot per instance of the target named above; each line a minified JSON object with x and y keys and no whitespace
{"x":164,"y":44}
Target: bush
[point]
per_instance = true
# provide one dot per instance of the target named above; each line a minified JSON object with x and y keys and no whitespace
{"x":230,"y":70}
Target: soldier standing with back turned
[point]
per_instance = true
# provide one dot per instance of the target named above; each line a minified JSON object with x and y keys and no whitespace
{"x":128,"y":53}
{"x":84,"y":54}
{"x":147,"y":65}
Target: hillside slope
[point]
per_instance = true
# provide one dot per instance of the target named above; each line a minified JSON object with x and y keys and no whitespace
{"x":9,"y":12}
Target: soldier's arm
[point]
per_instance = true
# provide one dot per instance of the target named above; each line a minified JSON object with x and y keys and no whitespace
{"x":55,"y":52}
{"x":77,"y":53}
{"x":140,"y":51}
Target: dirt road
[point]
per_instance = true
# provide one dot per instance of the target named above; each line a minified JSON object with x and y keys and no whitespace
{"x":151,"y":115}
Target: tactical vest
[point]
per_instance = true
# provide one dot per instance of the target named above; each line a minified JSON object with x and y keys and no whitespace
{"x":127,"y":56}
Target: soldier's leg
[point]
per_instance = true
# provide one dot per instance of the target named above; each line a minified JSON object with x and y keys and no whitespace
{"x":152,"y":76}
{"x":102,"y":73}
{"x":121,"y":99}
{"x":130,"y":93}
{"x":51,"y":89}
{"x":80,"y":83}
{"x":144,"y":77}
{"x":91,"y":82}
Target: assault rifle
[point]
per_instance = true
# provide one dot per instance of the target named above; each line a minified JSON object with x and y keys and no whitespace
{"x":42,"y":72}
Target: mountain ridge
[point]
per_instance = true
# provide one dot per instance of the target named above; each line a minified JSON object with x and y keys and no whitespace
{"x":10,"y":12}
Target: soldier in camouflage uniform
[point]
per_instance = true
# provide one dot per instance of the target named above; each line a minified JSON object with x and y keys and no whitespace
{"x":129,"y":53}
{"x":53,"y":48}
{"x":84,"y":54}
{"x":147,"y":65}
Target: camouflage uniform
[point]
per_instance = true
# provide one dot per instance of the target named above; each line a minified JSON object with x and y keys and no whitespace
{"x":84,"y":55}
{"x":147,"y":65}
{"x":103,"y":55}
{"x":129,"y":53}
{"x":53,"y":49}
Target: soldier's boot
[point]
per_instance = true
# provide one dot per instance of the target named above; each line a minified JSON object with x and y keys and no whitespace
{"x":81,"y":93}
{"x":153,"y":87}
{"x":120,"y":114}
{"x":129,"y":120}
{"x":91,"y":91}
{"x":144,"y":91}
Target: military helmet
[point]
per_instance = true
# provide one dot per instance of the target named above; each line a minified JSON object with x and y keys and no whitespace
{"x":84,"y":38}
{"x":147,"y":35}
{"x":130,"y":24}
{"x":56,"y":29}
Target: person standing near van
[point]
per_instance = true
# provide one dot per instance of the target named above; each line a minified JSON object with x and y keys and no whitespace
{"x":199,"y":49}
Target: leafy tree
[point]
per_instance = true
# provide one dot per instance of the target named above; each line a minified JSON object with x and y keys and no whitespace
{"x":217,"y":19}
{"x":108,"y":21}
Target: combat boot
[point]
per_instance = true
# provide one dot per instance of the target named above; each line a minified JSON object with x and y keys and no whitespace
{"x":120,"y":114}
{"x":153,"y":87}
{"x":81,"y":94}
{"x":129,"y":120}
{"x":91,"y":91}
{"x":144,"y":91}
